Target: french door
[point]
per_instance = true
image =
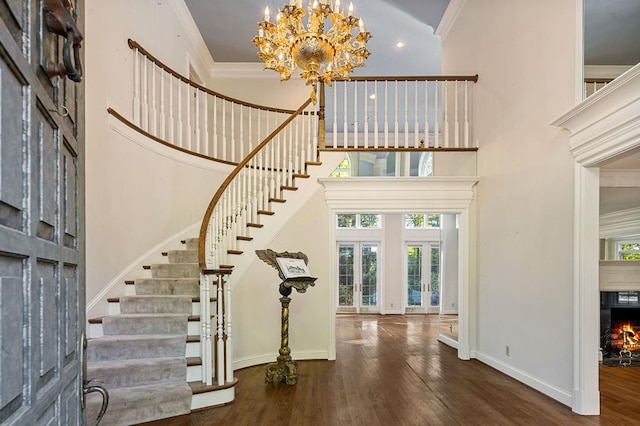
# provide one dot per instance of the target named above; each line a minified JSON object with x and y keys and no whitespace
{"x":422,"y":277}
{"x":358,"y":277}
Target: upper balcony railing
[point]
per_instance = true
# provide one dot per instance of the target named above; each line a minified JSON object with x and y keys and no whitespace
{"x":398,"y":113}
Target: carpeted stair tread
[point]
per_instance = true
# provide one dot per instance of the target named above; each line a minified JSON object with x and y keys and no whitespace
{"x":191,"y":243}
{"x":135,"y":372}
{"x":136,"y":346}
{"x":175,"y":270}
{"x":156,"y":303}
{"x":139,"y":404}
{"x":182,"y":256}
{"x":145,"y":324}
{"x":167,"y":286}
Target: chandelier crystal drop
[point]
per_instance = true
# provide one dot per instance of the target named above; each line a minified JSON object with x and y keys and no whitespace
{"x":288,"y":43}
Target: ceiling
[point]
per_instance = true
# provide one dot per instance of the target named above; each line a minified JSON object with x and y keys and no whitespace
{"x":612,"y":32}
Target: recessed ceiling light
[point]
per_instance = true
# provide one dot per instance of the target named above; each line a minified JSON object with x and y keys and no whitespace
{"x":400,"y":44}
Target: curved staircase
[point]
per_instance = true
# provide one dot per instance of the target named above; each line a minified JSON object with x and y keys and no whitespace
{"x":146,"y":353}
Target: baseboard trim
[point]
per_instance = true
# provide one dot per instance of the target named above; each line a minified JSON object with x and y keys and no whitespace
{"x":560,"y":395}
{"x":267,"y":358}
{"x":448,"y":341}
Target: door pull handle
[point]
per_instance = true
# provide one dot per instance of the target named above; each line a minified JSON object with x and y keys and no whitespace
{"x":59,"y":20}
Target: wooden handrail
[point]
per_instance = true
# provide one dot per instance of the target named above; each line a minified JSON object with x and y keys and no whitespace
{"x":473,"y":78}
{"x":131,"y":125}
{"x":135,"y":45}
{"x":207,"y":215}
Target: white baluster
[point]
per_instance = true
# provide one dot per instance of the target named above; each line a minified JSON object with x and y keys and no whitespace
{"x":345,"y":123}
{"x":375,"y":112}
{"x":386,"y":114}
{"x":466,"y":114}
{"x":220,"y":370}
{"x":436,"y":118}
{"x":136,"y":87}
{"x":416,"y":124}
{"x":224,"y":130}
{"x":180,"y":128}
{"x":356,"y":130}
{"x":456,"y":129}
{"x":163,"y":116}
{"x":395,"y":116}
{"x":196,"y":133}
{"x":205,"y":136}
{"x":365,"y":123}
{"x":229,"y":343}
{"x":233,"y":133}
{"x":426,"y":113}
{"x":144,"y":119}
{"x":445,"y":113}
{"x":215,"y":127}
{"x":190,"y":117}
{"x":171,"y":136}
{"x":242,"y":140}
{"x":154,"y":102}
{"x":335,"y":115}
{"x":406,"y":114}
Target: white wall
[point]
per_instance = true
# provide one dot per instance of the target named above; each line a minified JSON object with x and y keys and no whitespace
{"x":523,"y":52}
{"x":136,"y":197}
{"x":256,"y":305}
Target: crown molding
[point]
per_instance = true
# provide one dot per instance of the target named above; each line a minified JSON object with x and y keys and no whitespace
{"x":607,"y":123}
{"x":449,"y":18}
{"x":620,"y":224}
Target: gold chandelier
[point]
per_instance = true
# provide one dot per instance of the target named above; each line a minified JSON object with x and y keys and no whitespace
{"x":288,"y":43}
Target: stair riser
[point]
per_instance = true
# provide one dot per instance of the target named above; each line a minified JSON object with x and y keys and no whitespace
{"x":114,"y":308}
{"x":95,"y":330}
{"x":112,"y":374}
{"x":118,"y":325}
{"x":178,"y":270}
{"x":191,"y":244}
{"x":155,"y":304}
{"x":166,"y":286}
{"x":182,"y":256}
{"x":110,"y":350}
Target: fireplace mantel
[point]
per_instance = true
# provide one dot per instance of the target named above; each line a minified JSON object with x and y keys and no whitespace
{"x":619,"y":275}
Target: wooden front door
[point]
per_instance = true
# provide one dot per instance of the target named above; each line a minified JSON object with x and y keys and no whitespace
{"x":41,"y":224}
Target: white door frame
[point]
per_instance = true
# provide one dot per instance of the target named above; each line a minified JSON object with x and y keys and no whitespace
{"x":406,"y":194}
{"x":604,"y":126}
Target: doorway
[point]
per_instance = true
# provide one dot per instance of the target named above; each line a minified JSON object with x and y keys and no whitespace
{"x":358,"y":277}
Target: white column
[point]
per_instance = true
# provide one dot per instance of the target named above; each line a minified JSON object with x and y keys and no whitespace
{"x":586,"y":394}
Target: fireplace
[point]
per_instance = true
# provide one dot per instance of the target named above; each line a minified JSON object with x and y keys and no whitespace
{"x":620,"y":323}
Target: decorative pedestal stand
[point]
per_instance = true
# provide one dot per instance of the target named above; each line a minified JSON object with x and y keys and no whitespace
{"x":284,"y":370}
{"x":292,"y":269}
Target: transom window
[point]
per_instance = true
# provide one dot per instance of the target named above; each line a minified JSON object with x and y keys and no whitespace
{"x":421,"y":220}
{"x":629,"y":250}
{"x":359,"y":220}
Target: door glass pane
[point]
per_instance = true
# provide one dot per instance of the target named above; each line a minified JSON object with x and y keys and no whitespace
{"x":369,"y":275}
{"x":414,"y":276}
{"x":345,"y":276}
{"x":435,"y":276}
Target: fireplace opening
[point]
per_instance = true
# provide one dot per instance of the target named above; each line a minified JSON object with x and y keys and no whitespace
{"x":620,"y":323}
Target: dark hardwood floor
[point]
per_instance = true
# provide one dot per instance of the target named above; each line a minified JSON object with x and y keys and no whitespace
{"x":391,"y":370}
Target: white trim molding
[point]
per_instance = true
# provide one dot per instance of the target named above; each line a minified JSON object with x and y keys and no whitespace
{"x":620,"y":224}
{"x":607,"y":123}
{"x":619,"y":275}
{"x":411,"y":194}
{"x":620,"y":178}
{"x":449,"y":18}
